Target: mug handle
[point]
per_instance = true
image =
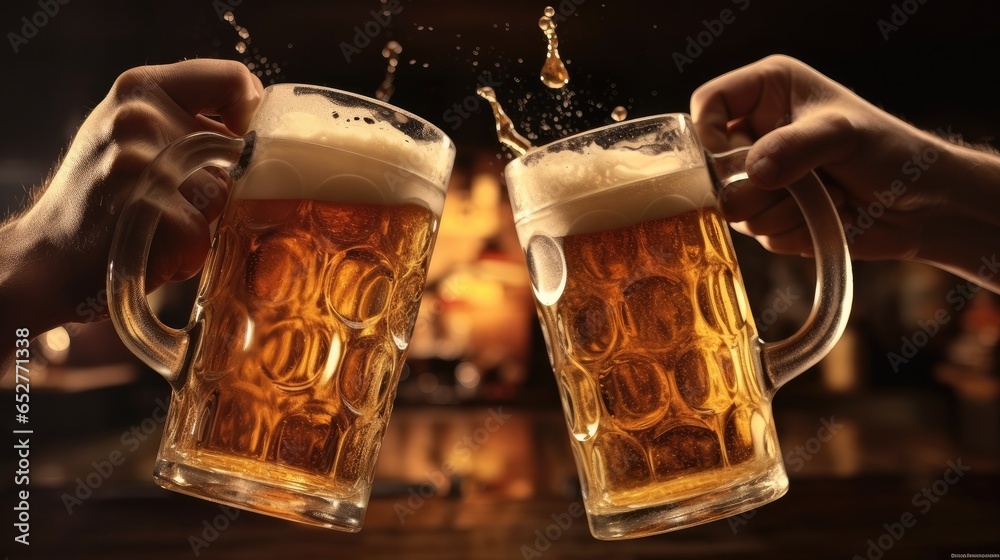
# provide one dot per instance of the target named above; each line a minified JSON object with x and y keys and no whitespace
{"x":831,"y":308}
{"x":163,"y":348}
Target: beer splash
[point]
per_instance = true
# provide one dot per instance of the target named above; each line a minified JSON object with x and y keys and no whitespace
{"x":619,"y":113}
{"x":256,"y":63}
{"x":506,"y":132}
{"x":390,"y":52}
{"x":554,"y":73}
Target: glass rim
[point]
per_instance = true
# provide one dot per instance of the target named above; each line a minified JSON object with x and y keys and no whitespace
{"x":599,"y":131}
{"x":450,"y":144}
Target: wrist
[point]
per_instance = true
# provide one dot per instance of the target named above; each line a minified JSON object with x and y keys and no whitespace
{"x":964,"y":237}
{"x":29,"y":295}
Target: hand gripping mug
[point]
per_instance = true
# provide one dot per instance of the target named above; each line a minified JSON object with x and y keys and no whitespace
{"x":665,"y":385}
{"x":284,"y":378}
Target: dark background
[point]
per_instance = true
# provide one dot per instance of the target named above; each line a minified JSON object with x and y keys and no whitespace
{"x":937,"y":71}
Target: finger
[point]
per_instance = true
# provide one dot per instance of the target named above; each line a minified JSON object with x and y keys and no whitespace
{"x":207,"y":191}
{"x":735,"y":95}
{"x":784,"y":155}
{"x":179,"y":246}
{"x":742,"y":201}
{"x":780,"y":218}
{"x":793,"y":242}
{"x":202,"y":86}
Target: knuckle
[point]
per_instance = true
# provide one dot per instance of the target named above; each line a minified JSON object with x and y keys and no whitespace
{"x":133,"y":83}
{"x":130,"y":120}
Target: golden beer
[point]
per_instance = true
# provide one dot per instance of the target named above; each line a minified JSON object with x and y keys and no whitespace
{"x":645,"y":316}
{"x":665,"y":384}
{"x":307,"y":306}
{"x":283,"y":380}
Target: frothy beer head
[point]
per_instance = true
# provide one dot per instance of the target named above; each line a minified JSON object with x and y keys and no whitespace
{"x":600,"y":181}
{"x":322,"y":144}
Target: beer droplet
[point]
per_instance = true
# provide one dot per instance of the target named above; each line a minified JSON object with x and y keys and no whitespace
{"x":554,"y":73}
{"x":619,"y":113}
{"x":254,"y":61}
{"x":506,"y":132}
{"x":390,"y":52}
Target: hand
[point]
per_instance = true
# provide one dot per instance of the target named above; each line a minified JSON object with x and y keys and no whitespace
{"x":900,"y":191}
{"x":55,"y":256}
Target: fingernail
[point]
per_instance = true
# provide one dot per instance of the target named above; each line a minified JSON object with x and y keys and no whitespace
{"x":763,"y":171}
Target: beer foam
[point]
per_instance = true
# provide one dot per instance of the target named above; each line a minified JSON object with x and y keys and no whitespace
{"x":359,"y":130}
{"x":291,"y":169}
{"x":595,"y":189}
{"x":350,"y":160}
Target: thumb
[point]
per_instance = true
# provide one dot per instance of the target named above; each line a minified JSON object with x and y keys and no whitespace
{"x":784,"y":155}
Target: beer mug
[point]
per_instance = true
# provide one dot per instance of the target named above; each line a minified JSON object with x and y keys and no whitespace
{"x":665,"y":385}
{"x":284,"y":378}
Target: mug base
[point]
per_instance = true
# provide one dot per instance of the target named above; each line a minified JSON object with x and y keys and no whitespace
{"x":703,"y":508}
{"x":232,"y":489}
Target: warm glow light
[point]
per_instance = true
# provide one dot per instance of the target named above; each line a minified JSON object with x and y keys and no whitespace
{"x":427,"y":382}
{"x":57,"y":339}
{"x":468,"y":375}
{"x":55,"y":345}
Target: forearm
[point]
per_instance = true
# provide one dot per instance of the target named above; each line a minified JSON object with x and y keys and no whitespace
{"x":26,"y":298}
{"x":965,"y":238}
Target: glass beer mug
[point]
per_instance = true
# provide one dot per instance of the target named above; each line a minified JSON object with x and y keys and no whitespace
{"x":665,"y":385}
{"x":284,"y":378}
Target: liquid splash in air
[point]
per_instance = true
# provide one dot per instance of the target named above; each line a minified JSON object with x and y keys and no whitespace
{"x":506,"y":132}
{"x":554,"y":73}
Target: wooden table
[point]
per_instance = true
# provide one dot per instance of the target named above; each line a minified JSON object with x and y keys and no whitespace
{"x":819,"y":518}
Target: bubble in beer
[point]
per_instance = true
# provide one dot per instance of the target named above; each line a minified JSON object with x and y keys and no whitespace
{"x":592,"y":327}
{"x":506,"y":132}
{"x":658,"y":311}
{"x":307,"y":441}
{"x":621,"y":460}
{"x":739,"y":435}
{"x":547,"y":268}
{"x":554,"y":73}
{"x":685,"y":448}
{"x":357,"y":468}
{"x":619,"y":113}
{"x":634,"y":389}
